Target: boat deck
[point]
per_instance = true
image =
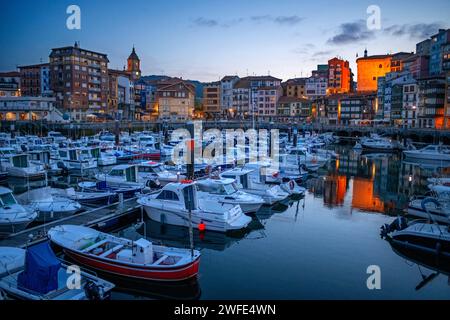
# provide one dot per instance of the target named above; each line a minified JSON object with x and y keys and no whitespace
{"x":88,"y":218}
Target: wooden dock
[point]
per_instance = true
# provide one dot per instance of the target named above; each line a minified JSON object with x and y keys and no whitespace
{"x":88,"y":218}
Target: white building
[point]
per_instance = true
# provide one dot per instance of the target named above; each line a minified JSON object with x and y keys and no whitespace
{"x":29,"y":109}
{"x":226,"y":92}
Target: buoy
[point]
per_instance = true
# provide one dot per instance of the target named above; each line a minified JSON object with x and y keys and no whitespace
{"x":201,"y":227}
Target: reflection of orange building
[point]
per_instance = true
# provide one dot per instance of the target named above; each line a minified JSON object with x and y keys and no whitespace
{"x":363,"y":197}
{"x":335,"y":188}
{"x":370,"y":68}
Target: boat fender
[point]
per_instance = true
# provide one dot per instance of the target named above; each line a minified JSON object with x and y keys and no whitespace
{"x":202,"y":226}
{"x":94,"y":291}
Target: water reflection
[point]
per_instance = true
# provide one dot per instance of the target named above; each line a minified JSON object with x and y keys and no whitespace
{"x":429,"y":266}
{"x":377,"y":182}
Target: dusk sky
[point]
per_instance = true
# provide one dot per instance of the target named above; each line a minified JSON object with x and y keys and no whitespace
{"x":207,"y":39}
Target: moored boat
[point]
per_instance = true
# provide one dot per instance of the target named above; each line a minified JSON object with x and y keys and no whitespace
{"x":36,"y":274}
{"x":122,"y":257}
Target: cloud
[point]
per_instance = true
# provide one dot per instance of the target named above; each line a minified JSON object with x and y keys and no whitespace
{"x":204,"y":22}
{"x":304,"y":49}
{"x":322,"y":53}
{"x":288,"y":20}
{"x":213,"y":23}
{"x":281,"y":20}
{"x":352,"y":32}
{"x":414,"y":31}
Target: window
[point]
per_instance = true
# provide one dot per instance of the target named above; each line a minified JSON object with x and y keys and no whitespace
{"x":167,"y":195}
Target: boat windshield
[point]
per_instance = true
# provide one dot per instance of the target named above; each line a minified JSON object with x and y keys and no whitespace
{"x":7,"y":199}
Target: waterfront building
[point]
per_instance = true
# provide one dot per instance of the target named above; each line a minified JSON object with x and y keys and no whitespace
{"x":10,"y":84}
{"x":431,"y":102}
{"x":35,"y":80}
{"x":410,"y":104}
{"x":397,"y":61}
{"x":24,"y":108}
{"x":370,"y":68}
{"x":121,"y":103}
{"x":79,"y":80}
{"x":212,"y":99}
{"x":339,"y":76}
{"x":226,"y":95}
{"x":293,"y":109}
{"x":294,"y":88}
{"x":417,"y":65}
{"x":316,"y":85}
{"x":258,"y":96}
{"x":446,"y":68}
{"x":175,"y":100}
{"x":436,"y":54}
{"x":134,"y":66}
{"x":357,"y":107}
{"x":423,"y":48}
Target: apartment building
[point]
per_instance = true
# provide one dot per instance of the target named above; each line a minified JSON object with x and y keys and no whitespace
{"x":35,"y":80}
{"x":79,"y":81}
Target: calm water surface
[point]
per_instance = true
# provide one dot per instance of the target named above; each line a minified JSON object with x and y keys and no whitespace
{"x":316,"y":248}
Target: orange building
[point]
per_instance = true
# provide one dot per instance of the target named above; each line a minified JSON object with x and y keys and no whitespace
{"x":370,"y":68}
{"x":339,"y":76}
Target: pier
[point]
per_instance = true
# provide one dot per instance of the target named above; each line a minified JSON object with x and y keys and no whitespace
{"x":79,"y":129}
{"x":91,"y":218}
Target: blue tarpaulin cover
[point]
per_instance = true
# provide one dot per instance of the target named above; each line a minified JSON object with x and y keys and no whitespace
{"x":41,"y":269}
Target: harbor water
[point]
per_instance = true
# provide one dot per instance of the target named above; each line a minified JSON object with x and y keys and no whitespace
{"x":317,"y":247}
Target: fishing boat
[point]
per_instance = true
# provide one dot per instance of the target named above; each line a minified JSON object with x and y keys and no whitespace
{"x":36,"y":274}
{"x":127,"y":191}
{"x":436,"y":209}
{"x":262,"y":172}
{"x":430,"y":152}
{"x":123,"y":175}
{"x":139,"y":259}
{"x":179,"y":204}
{"x":49,"y":204}
{"x":419,"y":235}
{"x":87,"y":198}
{"x":150,"y":170}
{"x":13,"y":217}
{"x":77,"y":158}
{"x":377,"y":143}
{"x":226,"y":191}
{"x":271,"y":194}
{"x":19,"y":165}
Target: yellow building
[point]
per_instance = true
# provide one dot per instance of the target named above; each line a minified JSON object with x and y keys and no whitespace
{"x":370,"y":68}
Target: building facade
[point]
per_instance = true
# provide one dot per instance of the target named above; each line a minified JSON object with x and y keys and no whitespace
{"x":431,"y":102}
{"x":293,"y":109}
{"x":436,"y":51}
{"x":25,"y":108}
{"x":370,"y":68}
{"x":212,"y":99}
{"x":35,"y":80}
{"x":175,"y":100}
{"x":79,"y":81}
{"x":295,"y":88}
{"x":226,"y":95}
{"x":357,"y":107}
{"x":10,"y":84}
{"x":339,"y":76}
{"x":317,"y":84}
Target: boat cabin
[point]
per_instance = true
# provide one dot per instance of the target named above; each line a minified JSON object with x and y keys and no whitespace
{"x":184,"y":192}
{"x":42,"y":157}
{"x":241,"y":177}
{"x":225,"y":187}
{"x":127,"y":172}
